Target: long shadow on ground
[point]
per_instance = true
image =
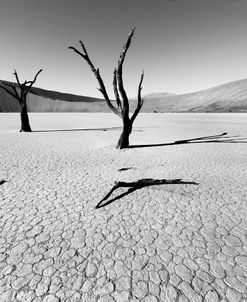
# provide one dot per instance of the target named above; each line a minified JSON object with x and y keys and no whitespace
{"x":142,"y":183}
{"x":2,"y":182}
{"x":218,"y":138}
{"x":83,"y":129}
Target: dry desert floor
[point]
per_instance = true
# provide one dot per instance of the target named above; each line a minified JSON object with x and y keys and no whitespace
{"x":176,"y":242}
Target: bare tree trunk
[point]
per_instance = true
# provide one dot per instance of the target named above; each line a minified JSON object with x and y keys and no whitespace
{"x":25,"y":125}
{"x":123,"y":141}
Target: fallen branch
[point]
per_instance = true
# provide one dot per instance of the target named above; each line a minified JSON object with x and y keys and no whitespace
{"x":146,"y":182}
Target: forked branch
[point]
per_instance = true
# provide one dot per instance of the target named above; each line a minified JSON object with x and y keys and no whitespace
{"x":146,"y":182}
{"x":96,"y":72}
{"x":140,"y":101}
{"x":17,"y":78}
{"x":30,"y":83}
{"x":23,"y":87}
{"x":34,"y":80}
{"x":120,"y":72}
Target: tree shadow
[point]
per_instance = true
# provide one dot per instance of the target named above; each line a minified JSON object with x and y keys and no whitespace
{"x":218,"y":138}
{"x":142,"y":183}
{"x":126,"y":169}
{"x":83,"y":129}
{"x":2,"y":182}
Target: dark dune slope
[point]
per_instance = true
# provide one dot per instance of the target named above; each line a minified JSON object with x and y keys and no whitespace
{"x":230,"y":97}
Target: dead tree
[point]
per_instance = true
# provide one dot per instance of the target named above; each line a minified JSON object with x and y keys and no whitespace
{"x":19,"y":92}
{"x":122,"y":101}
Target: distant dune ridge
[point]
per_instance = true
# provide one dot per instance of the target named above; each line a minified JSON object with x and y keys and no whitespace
{"x":230,"y":97}
{"x":223,"y":98}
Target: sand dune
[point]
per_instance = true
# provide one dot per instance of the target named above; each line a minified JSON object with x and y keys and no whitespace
{"x":224,"y":98}
{"x":41,"y":100}
{"x":230,"y":97}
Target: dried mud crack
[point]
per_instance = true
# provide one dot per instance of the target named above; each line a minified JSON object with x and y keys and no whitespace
{"x":163,"y":243}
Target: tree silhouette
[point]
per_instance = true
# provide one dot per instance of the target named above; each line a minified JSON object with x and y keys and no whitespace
{"x":122,"y":101}
{"x":19,"y":92}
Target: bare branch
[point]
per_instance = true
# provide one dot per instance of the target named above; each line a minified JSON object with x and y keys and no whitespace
{"x":17,"y":78}
{"x":21,"y":86}
{"x":85,"y":56}
{"x":83,"y":48}
{"x":96,"y":72}
{"x":140,"y":101}
{"x":30,"y":83}
{"x":78,"y":52}
{"x":115,"y":88}
{"x":34,"y":80}
{"x":135,"y":185}
{"x":37,"y":75}
{"x":140,"y":89}
{"x":104,"y":93}
{"x":120,"y":72}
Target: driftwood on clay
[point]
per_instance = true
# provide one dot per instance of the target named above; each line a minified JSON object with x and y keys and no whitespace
{"x":122,"y":101}
{"x":19,"y":92}
{"x":146,"y":182}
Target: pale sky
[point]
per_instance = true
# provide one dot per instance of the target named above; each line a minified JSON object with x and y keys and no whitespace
{"x":182,"y":45}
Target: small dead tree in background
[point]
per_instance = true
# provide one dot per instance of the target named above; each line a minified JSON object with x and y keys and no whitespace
{"x":122,"y":101}
{"x":19,"y":92}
